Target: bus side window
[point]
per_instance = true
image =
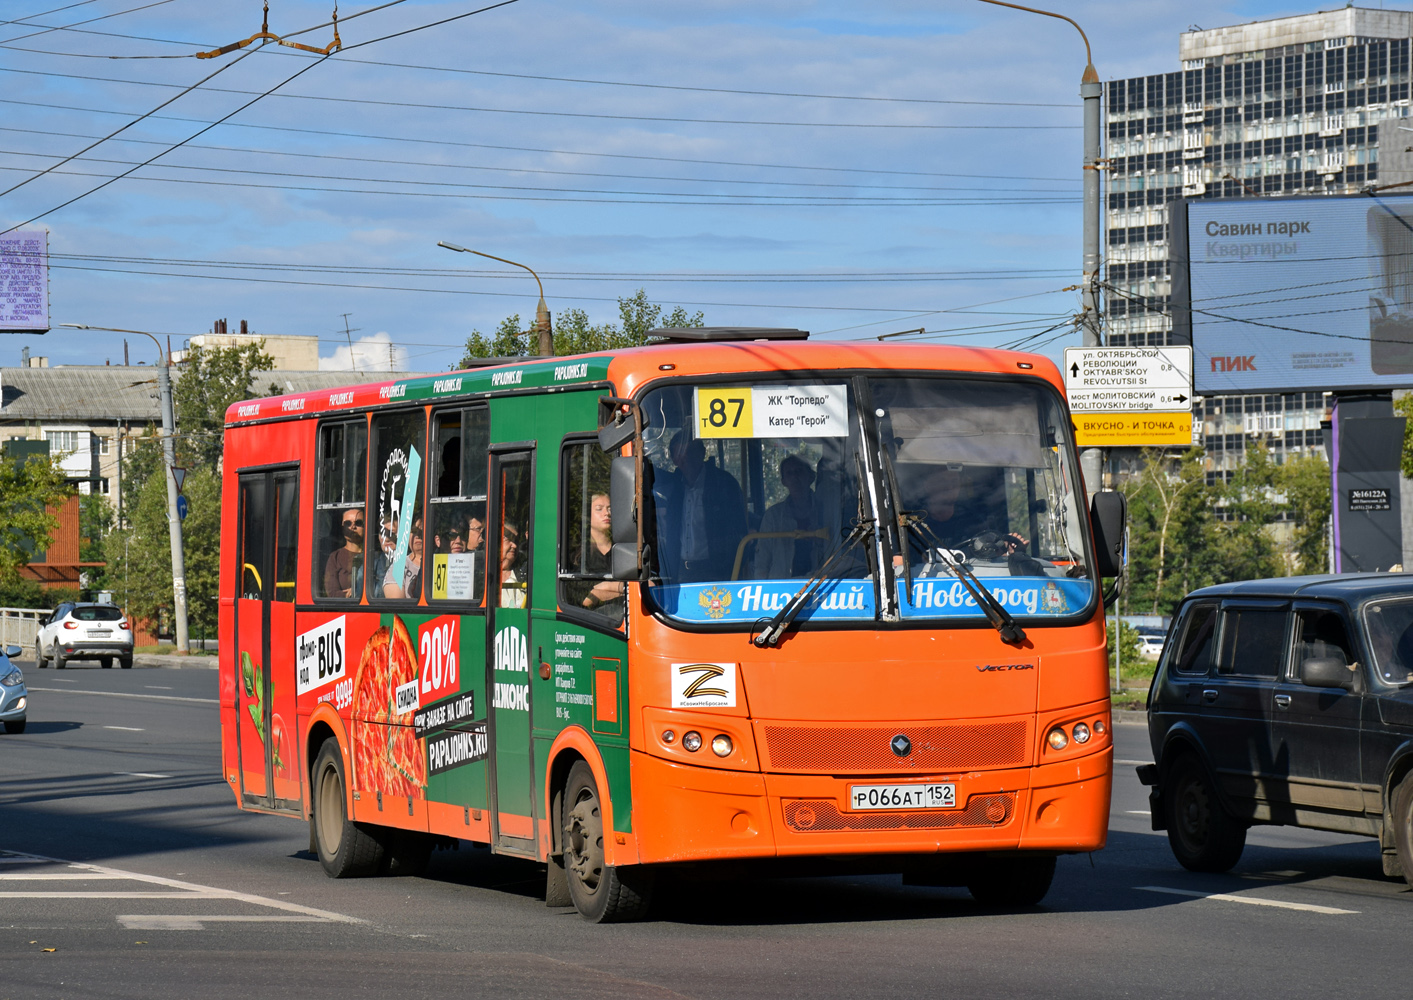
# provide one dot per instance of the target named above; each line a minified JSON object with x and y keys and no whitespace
{"x":586,"y":537}
{"x":400,"y":470}
{"x":339,"y":528}
{"x":457,"y":528}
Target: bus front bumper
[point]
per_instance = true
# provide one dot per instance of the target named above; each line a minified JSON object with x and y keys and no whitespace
{"x":684,"y":813}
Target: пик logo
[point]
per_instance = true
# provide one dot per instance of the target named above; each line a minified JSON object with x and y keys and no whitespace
{"x":1239,"y":363}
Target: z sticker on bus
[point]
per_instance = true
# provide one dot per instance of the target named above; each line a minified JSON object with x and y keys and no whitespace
{"x":703,"y":685}
{"x":318,"y":656}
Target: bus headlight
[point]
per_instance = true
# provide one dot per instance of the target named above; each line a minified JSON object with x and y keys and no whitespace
{"x":721,"y":746}
{"x":692,"y":741}
{"x":669,"y":737}
{"x":1057,"y":739}
{"x":1081,"y":733}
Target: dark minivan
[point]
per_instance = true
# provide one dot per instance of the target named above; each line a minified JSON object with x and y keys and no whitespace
{"x":1286,"y":701}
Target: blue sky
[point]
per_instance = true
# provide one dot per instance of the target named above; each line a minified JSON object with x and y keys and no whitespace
{"x":948,"y":199}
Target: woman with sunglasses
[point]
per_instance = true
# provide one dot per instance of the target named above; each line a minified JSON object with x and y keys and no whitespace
{"x":343,"y":573}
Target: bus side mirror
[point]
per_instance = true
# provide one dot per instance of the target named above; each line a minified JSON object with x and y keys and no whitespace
{"x":1108,"y":516}
{"x":623,"y":502}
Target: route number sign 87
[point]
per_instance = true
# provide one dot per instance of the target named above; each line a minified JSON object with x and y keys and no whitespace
{"x":724,"y":412}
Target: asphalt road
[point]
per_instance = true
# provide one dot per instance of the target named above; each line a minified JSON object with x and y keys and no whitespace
{"x":126,"y":871}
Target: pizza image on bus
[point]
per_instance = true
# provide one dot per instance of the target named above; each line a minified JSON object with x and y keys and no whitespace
{"x":386,"y":755}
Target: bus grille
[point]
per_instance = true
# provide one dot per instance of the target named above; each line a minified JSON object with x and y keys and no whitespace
{"x":823,"y":816}
{"x":841,"y":750}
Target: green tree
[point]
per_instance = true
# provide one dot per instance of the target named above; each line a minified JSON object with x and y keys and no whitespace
{"x":575,"y":334}
{"x":29,"y":489}
{"x":1305,"y":481}
{"x":211,"y":379}
{"x":1246,"y":547}
{"x":140,"y":555}
{"x":1171,"y":530}
{"x":95,"y":521}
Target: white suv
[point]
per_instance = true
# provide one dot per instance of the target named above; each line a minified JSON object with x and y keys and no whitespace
{"x":84,"y":632}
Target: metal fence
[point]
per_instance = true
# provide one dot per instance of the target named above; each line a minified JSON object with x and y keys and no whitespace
{"x":18,"y":626}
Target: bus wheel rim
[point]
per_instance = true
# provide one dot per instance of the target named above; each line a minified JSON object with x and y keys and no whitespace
{"x":583,"y":849}
{"x":331,"y":810}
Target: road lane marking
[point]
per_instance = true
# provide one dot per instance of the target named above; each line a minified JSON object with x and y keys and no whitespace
{"x":58,"y":877}
{"x":126,"y":694}
{"x":185,"y":890}
{"x":1139,"y":812}
{"x":1251,"y":900}
{"x":127,"y":729}
{"x":1135,"y":763}
{"x":196,"y":922}
{"x":140,"y":774}
{"x":158,"y":687}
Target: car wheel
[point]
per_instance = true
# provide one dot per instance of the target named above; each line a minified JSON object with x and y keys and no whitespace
{"x":601,"y":893}
{"x":15,"y":726}
{"x":1401,"y":816}
{"x":40,"y":659}
{"x":1017,"y":881}
{"x":106,"y":662}
{"x":1203,"y":836}
{"x":346,"y":849}
{"x":125,"y":662}
{"x":59,"y":662}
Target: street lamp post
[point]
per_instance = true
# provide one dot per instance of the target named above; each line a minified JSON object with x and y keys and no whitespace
{"x":169,"y":460}
{"x":542,"y":316}
{"x":1091,"y":90}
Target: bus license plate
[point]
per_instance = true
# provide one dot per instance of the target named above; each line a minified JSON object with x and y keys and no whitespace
{"x":940,"y":796}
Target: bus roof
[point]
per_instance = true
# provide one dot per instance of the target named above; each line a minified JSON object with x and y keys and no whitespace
{"x":629,"y":368}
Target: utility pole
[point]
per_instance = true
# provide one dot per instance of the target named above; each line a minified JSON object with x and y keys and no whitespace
{"x":1091,"y":460}
{"x":545,"y":335}
{"x":169,"y":461}
{"x":352,"y":360}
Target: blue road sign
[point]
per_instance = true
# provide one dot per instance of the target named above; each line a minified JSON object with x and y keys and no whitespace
{"x":182,"y":506}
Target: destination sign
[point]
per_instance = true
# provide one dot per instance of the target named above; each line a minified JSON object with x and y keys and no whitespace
{"x":1129,"y":379}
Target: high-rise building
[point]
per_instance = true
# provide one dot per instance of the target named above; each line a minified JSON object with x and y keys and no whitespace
{"x":1292,"y":106}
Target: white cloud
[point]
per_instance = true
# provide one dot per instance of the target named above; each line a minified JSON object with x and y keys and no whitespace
{"x":369,"y":355}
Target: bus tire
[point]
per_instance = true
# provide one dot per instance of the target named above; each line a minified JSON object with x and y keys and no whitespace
{"x":346,"y":849}
{"x":1203,"y":836}
{"x":1020,"y":880}
{"x":601,"y":893}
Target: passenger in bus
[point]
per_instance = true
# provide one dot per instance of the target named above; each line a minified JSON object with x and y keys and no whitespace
{"x":701,"y":514}
{"x":512,"y":582}
{"x":410,"y":586}
{"x":607,"y":596}
{"x":777,"y":558}
{"x":343,"y":572}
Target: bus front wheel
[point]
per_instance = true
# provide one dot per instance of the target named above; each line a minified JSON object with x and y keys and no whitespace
{"x":1013,"y":881}
{"x":601,"y":893}
{"x":346,"y":849}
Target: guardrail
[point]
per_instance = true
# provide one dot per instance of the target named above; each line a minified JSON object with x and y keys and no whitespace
{"x":18,"y":626}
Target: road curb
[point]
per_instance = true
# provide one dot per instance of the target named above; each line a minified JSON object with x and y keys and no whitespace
{"x":1129,"y":717}
{"x":173,"y":661}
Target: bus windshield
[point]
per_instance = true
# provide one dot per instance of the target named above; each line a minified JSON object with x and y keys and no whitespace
{"x":753,"y":487}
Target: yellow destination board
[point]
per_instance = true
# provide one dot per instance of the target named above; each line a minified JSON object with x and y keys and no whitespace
{"x":1132,"y":430}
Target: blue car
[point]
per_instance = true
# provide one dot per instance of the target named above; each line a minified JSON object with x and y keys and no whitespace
{"x":14,"y":697}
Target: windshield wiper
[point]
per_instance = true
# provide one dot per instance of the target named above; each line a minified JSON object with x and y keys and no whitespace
{"x":774,"y":629}
{"x":955,"y":562}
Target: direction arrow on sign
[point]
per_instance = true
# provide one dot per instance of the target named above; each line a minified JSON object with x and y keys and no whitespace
{"x":182,"y":507}
{"x":1129,"y":379}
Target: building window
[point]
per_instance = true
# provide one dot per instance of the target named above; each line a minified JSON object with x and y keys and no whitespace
{"x":104,"y":443}
{"x":62,"y":441}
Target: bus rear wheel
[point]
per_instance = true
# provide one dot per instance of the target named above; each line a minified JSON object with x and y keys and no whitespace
{"x":346,"y":849}
{"x":601,"y":893}
{"x":1013,"y":881}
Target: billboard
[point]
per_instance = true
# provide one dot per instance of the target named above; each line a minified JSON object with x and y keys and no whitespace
{"x":1291,"y":294}
{"x":24,"y":281}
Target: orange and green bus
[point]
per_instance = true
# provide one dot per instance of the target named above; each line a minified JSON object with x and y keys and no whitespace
{"x":729,"y":597}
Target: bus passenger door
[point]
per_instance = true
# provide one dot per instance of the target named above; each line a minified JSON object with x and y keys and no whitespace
{"x":512,"y":792}
{"x":268,"y":546}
